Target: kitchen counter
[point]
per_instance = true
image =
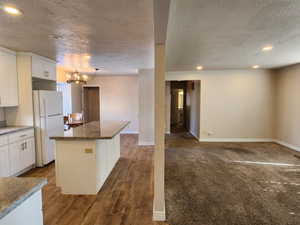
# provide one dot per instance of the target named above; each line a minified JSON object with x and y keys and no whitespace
{"x":12,"y":129}
{"x":94,"y":130}
{"x":14,"y":191}
{"x":86,"y":155}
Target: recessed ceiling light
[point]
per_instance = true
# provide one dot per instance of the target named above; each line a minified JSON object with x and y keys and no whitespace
{"x":255,"y":66}
{"x":199,"y":67}
{"x":12,"y":10}
{"x":267,"y":48}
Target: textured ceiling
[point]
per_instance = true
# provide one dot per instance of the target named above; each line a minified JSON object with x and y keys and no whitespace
{"x":229,"y":34}
{"x":118,"y":34}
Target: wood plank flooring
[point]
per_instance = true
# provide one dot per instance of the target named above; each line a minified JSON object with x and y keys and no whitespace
{"x":125,"y":199}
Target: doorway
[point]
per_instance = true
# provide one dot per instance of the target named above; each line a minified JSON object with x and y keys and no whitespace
{"x":183,"y":107}
{"x":179,"y":116}
{"x":91,"y":103}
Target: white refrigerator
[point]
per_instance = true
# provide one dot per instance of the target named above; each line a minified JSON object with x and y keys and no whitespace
{"x":48,"y":116}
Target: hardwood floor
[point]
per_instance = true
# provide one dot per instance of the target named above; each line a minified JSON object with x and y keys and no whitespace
{"x":125,"y":199}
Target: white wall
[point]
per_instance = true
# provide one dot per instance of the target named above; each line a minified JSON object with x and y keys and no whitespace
{"x":234,"y":103}
{"x":194,"y":102}
{"x":119,"y":98}
{"x":146,"y":107}
{"x":288,"y":105}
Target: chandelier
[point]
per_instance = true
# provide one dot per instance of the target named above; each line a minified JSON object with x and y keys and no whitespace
{"x":77,"y":78}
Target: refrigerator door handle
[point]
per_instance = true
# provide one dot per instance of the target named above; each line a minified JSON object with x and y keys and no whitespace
{"x":53,"y":115}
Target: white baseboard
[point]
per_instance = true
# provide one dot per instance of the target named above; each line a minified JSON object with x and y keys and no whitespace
{"x":129,"y":132}
{"x":194,"y":135}
{"x":293,"y":147}
{"x":159,"y":215}
{"x":236,"y":140}
{"x":146,"y":143}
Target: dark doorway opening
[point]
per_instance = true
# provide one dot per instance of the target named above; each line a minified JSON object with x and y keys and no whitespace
{"x":179,"y":110}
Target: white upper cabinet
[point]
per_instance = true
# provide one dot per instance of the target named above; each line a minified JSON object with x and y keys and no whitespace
{"x":43,"y":68}
{"x":8,"y":78}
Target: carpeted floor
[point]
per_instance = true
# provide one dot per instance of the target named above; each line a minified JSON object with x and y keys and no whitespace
{"x":231,"y":183}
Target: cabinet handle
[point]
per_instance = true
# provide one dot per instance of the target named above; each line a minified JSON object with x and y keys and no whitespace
{"x":46,"y":73}
{"x":24,"y":135}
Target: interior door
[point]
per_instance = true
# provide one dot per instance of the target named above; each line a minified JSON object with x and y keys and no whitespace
{"x":91,"y":104}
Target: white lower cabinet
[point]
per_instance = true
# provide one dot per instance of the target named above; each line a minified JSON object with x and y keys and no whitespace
{"x":29,"y":212}
{"x":4,"y":162}
{"x":15,"y":157}
{"x":18,"y":154}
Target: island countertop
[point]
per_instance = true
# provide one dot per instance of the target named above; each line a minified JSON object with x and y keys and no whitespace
{"x":94,"y":130}
{"x":14,"y":191}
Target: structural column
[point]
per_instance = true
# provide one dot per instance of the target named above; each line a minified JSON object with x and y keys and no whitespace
{"x":159,"y":154}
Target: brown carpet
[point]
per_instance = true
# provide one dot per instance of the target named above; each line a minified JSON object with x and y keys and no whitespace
{"x":205,"y":187}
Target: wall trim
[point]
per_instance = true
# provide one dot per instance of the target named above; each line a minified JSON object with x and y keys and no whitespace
{"x":283,"y":143}
{"x":129,"y":132}
{"x":146,"y":143}
{"x":293,"y":147}
{"x":194,"y":135}
{"x":236,"y":140}
{"x":159,"y":215}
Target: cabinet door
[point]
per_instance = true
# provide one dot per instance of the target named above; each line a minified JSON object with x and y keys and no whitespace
{"x":50,"y":70}
{"x":37,"y":67}
{"x":8,"y":79}
{"x":43,"y":68}
{"x":28,"y":154}
{"x":15,"y":160}
{"x":4,"y":161}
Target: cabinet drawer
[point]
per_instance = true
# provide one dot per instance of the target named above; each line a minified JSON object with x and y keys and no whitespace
{"x":3,"y":140}
{"x":21,"y":135}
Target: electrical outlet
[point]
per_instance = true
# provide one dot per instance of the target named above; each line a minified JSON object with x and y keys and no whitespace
{"x":88,"y":150}
{"x":210,"y":133}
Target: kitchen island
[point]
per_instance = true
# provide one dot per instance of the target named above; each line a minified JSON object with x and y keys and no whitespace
{"x":86,"y":155}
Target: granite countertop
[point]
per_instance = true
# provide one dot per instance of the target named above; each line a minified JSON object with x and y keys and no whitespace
{"x":14,"y":191}
{"x":11,"y":129}
{"x":94,"y":130}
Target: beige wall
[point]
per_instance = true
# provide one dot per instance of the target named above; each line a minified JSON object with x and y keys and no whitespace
{"x":234,"y":103}
{"x":76,"y":98}
{"x":60,"y":74}
{"x":119,"y":98}
{"x":288,"y":105}
{"x":194,"y":109}
{"x":146,"y":107}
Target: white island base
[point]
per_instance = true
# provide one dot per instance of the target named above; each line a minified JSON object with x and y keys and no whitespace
{"x":83,"y":165}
